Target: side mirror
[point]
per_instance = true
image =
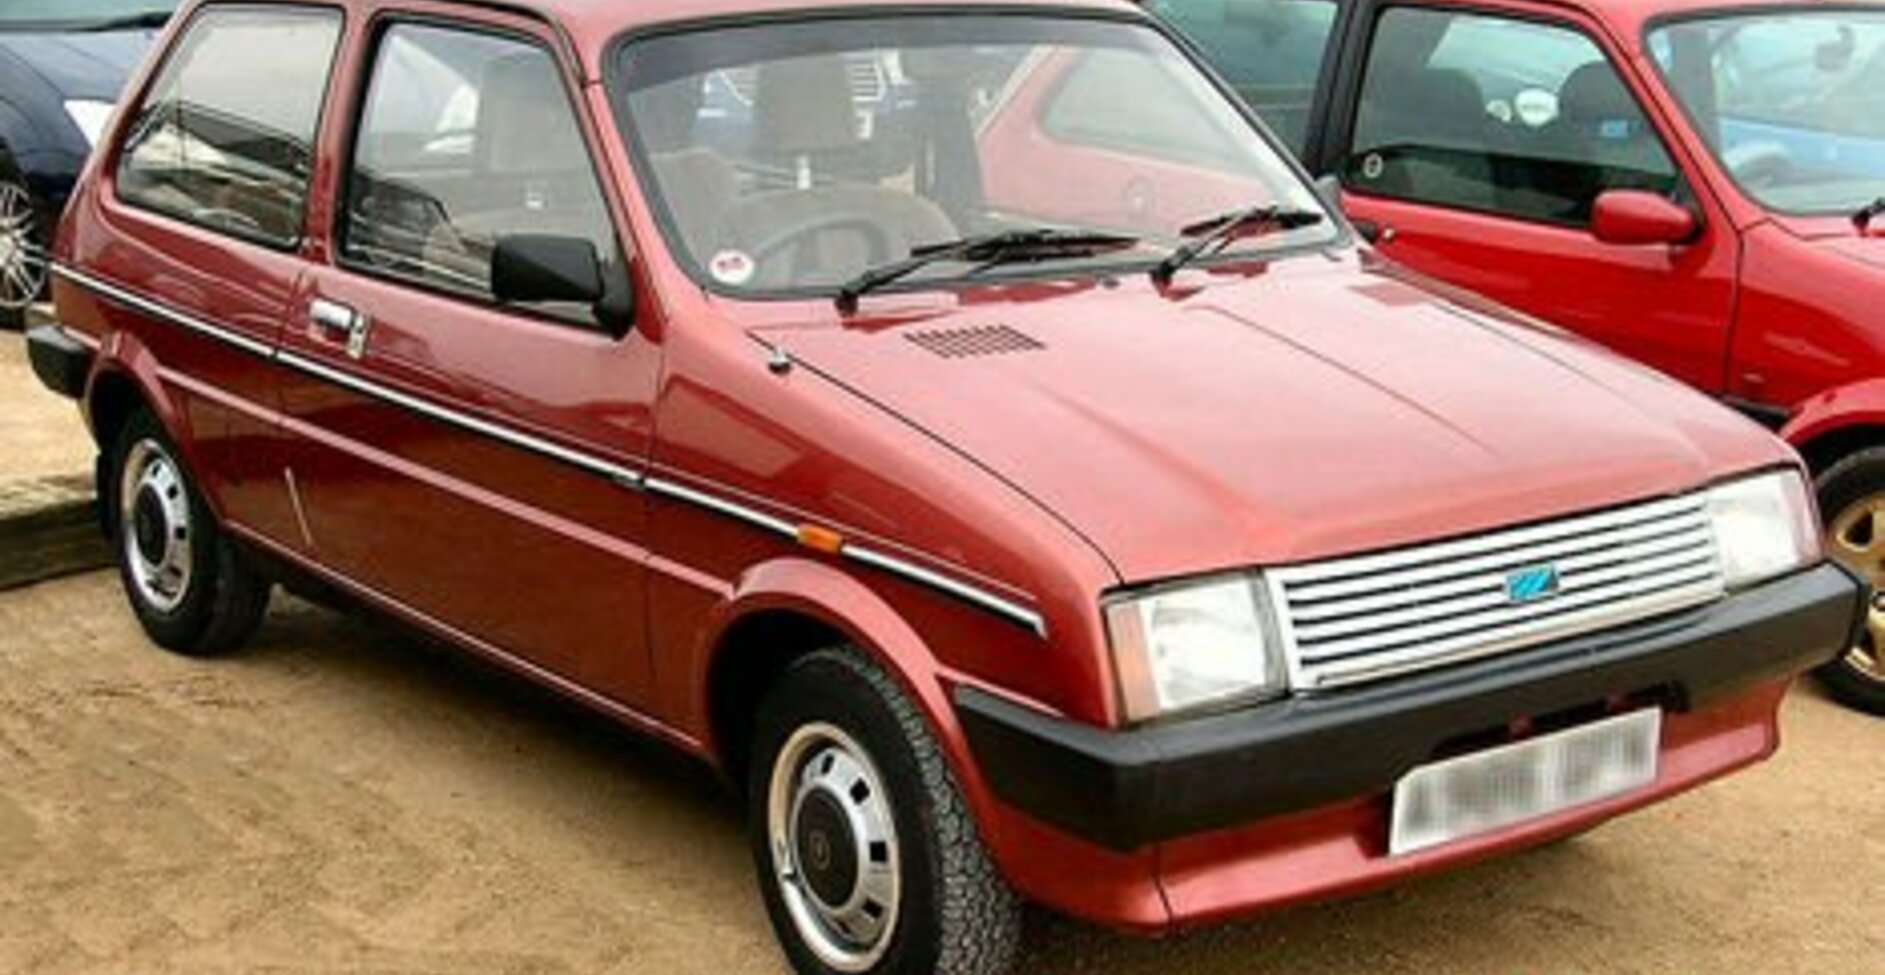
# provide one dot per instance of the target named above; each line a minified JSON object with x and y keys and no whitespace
{"x":533,"y":268}
{"x":1636,"y":218}
{"x":539,"y":268}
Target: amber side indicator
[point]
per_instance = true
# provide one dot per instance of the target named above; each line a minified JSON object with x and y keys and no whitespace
{"x":820,"y":539}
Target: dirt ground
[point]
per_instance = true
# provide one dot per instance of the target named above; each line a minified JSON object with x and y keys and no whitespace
{"x":41,"y":434}
{"x":345,"y":799}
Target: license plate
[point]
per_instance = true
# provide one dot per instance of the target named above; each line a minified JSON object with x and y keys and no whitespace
{"x":1490,"y":790}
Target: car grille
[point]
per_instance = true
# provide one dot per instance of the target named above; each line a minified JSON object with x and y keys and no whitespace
{"x":1352,"y":620}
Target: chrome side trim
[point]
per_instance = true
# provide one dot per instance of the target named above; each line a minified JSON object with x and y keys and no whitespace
{"x":967,"y":593}
{"x":149,"y":307}
{"x":619,"y":475}
{"x":294,"y":500}
{"x":615,"y":472}
{"x":732,"y":509}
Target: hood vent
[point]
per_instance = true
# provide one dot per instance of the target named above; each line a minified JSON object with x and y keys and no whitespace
{"x":967,"y":343}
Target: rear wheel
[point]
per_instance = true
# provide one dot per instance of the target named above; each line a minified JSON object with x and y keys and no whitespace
{"x":1852,"y":499}
{"x":187,"y":584}
{"x":22,"y":254}
{"x":868,"y":857}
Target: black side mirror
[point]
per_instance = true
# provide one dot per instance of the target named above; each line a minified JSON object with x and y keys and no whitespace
{"x":544,"y":268}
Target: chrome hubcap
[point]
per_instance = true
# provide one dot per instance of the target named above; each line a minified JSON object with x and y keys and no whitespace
{"x":1856,"y":538}
{"x":834,"y":847}
{"x":22,"y":265}
{"x":154,"y":527}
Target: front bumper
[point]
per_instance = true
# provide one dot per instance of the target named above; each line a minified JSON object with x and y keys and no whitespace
{"x":1125,"y":790}
{"x":62,"y":363}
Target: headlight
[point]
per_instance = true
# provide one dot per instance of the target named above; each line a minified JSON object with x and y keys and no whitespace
{"x":1764,"y":527}
{"x":1194,"y":645}
{"x":91,"y":117}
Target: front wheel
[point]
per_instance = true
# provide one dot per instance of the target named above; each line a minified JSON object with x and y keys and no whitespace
{"x":1852,"y":499}
{"x":868,"y":858}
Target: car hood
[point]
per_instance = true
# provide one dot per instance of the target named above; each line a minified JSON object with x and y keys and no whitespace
{"x":1311,"y":410}
{"x":82,"y":65}
{"x":1865,"y":250}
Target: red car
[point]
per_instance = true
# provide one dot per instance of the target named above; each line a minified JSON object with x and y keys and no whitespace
{"x":1156,"y":565}
{"x":1699,"y":184}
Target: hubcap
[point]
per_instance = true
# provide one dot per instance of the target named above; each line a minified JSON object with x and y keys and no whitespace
{"x":22,"y":265}
{"x":834,"y":847}
{"x":154,"y":512}
{"x":1857,"y":539}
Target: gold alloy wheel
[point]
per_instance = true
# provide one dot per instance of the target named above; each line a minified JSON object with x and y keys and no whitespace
{"x":1857,"y":539}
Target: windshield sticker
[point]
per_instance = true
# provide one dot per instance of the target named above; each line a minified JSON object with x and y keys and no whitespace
{"x":732,"y":267}
{"x":1373,"y":166}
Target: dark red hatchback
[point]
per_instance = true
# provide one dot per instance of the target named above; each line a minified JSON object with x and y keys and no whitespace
{"x":959,"y":424}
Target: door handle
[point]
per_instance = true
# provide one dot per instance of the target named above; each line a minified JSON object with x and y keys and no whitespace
{"x":341,"y":323}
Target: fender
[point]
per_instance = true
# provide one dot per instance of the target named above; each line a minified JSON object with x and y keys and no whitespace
{"x":825,"y":593}
{"x":1842,"y":407}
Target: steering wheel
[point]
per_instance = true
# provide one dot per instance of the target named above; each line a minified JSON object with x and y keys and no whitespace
{"x":1759,"y":164}
{"x":789,"y":237}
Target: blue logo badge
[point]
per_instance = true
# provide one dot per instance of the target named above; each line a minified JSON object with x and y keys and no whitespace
{"x":1531,"y":585}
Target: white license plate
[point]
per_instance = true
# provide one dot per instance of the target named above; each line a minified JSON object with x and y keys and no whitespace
{"x":1496,"y":788}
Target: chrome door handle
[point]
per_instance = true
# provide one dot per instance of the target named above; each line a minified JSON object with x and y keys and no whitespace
{"x":341,"y":322}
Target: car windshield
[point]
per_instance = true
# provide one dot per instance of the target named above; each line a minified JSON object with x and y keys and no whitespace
{"x":1793,"y":104}
{"x":792,"y":157}
{"x":78,"y":14}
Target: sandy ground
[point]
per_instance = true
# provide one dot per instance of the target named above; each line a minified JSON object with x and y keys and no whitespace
{"x":41,"y":434}
{"x":343,"y":799}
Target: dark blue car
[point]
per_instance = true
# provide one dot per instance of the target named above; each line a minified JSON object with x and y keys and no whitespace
{"x":63,"y":64}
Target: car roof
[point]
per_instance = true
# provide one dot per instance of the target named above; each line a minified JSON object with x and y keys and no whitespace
{"x":1628,"y":20}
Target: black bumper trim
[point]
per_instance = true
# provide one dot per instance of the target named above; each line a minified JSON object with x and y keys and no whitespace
{"x":1128,"y":789}
{"x":61,"y":362}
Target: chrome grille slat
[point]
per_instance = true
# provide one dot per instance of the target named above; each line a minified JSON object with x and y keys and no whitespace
{"x":1572,"y":570}
{"x":1350,"y":620}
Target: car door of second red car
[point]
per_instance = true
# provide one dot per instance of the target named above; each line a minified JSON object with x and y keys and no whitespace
{"x":1476,"y":150}
{"x":471,"y":462}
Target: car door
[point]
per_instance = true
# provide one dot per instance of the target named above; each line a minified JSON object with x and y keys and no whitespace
{"x":1474,"y":149}
{"x":200,"y":241}
{"x":473,"y":462}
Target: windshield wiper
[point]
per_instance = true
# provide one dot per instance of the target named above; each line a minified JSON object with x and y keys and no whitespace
{"x":148,"y":20}
{"x":1211,"y":236}
{"x":1868,"y":213}
{"x":988,"y":250}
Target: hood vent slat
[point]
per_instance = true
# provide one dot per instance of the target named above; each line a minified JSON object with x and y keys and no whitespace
{"x":967,"y":343}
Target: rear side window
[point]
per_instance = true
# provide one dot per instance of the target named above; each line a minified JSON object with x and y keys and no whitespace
{"x":1503,"y":116}
{"x":225,"y":137}
{"x":467,"y":138}
{"x":1271,"y":51}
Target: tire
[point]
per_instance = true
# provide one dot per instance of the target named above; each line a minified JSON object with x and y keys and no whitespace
{"x":22,"y":254}
{"x":186,"y":582}
{"x":1852,"y":499}
{"x":905,"y":843}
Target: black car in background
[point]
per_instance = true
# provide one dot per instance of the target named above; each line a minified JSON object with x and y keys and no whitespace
{"x":63,"y":64}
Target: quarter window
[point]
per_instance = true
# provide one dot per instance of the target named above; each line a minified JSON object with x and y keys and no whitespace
{"x":467,"y":138}
{"x":225,"y":138}
{"x":1271,"y":51}
{"x":1503,"y":116}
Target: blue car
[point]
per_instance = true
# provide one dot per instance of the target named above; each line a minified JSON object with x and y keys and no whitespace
{"x":63,"y":64}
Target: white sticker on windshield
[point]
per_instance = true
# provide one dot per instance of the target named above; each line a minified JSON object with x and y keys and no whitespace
{"x":732,"y":267}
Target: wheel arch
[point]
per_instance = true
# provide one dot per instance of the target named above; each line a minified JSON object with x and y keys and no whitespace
{"x":1838,"y":422}
{"x":786,"y":609}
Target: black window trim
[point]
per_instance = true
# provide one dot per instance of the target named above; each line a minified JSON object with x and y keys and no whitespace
{"x":1335,"y":154}
{"x":120,"y":150}
{"x":367,"y":73}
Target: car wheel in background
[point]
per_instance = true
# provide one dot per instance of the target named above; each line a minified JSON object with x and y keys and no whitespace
{"x":1852,"y":500}
{"x":22,"y":254}
{"x":187,"y":584}
{"x":869,"y":859}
